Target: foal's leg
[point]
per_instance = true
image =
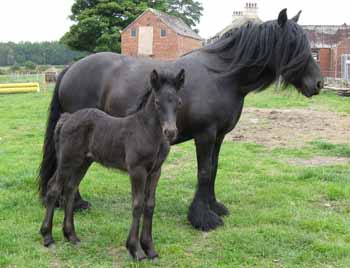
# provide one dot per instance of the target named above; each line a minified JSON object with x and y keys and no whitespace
{"x":146,"y":235}
{"x":53,"y":193}
{"x":214,"y":205}
{"x":70,"y":188}
{"x":138,"y":178}
{"x":200,"y":215}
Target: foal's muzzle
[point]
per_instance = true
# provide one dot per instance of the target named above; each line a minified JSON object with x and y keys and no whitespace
{"x":170,"y":133}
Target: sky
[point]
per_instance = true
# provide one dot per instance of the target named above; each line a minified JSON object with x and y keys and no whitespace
{"x":47,"y":20}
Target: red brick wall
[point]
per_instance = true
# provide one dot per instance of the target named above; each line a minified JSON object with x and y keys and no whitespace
{"x":325,"y":61}
{"x":169,"y":47}
{"x":188,"y":44}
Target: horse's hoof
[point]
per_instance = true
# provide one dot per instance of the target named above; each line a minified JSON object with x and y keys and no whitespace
{"x":202,"y":218}
{"x":219,"y":208}
{"x":81,"y":204}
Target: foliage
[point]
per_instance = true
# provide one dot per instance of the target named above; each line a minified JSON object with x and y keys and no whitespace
{"x":189,"y":11}
{"x":98,"y":23}
{"x":29,"y":65}
{"x":51,"y":53}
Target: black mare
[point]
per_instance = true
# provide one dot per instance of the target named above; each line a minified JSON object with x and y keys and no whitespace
{"x":138,"y":144}
{"x":218,"y":77}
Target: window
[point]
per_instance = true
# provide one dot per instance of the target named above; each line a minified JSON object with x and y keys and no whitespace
{"x":133,"y":32}
{"x":162,"y":32}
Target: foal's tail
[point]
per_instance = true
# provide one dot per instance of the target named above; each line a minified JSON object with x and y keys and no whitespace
{"x":49,"y":162}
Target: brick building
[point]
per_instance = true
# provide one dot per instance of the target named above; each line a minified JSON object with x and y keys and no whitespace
{"x":330,"y":45}
{"x":158,"y":35}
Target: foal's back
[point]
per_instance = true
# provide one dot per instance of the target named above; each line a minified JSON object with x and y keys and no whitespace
{"x":94,"y":135}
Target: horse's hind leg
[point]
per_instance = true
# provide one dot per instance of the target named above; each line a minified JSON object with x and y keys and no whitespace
{"x":54,"y":191}
{"x":138,"y":181}
{"x":146,"y":235}
{"x":69,"y":190}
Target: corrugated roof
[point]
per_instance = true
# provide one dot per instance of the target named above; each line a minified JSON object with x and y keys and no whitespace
{"x":175,"y":23}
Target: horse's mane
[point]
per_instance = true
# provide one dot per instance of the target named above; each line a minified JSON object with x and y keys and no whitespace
{"x":252,"y":48}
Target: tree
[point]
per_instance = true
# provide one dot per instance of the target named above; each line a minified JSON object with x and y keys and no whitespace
{"x":189,"y":11}
{"x":98,"y":23}
{"x":29,"y":65}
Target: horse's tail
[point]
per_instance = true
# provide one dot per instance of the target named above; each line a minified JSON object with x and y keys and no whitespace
{"x":49,"y":162}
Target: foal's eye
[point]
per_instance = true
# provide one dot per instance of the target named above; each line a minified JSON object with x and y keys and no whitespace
{"x":157,"y":103}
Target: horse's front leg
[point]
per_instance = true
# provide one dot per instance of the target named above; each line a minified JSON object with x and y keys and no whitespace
{"x":146,"y":236}
{"x":200,"y":215}
{"x":214,"y":205}
{"x":138,"y":178}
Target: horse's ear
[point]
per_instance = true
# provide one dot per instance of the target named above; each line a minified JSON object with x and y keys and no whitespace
{"x":180,"y":79}
{"x":282,"y":18}
{"x":296,"y":17}
{"x":155,"y":82}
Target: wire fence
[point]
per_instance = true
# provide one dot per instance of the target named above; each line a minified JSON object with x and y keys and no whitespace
{"x":26,"y":78}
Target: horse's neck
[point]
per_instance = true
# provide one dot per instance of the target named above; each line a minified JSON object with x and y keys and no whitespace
{"x":148,"y":117}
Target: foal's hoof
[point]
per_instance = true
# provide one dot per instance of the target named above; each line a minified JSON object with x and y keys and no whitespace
{"x":138,"y":255}
{"x":49,"y":242}
{"x":219,"y":208}
{"x":81,"y":204}
{"x":152,"y":254}
{"x":71,"y":238}
{"x":74,"y":240}
{"x":202,"y":218}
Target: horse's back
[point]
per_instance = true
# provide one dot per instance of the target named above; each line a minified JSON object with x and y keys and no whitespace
{"x":98,"y":80}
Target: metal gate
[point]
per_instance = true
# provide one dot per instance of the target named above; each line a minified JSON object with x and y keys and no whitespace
{"x":345,"y":66}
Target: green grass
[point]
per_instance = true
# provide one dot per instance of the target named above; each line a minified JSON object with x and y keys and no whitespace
{"x":281,"y":215}
{"x":290,"y":98}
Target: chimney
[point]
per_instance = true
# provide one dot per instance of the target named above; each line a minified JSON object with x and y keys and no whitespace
{"x":251,"y":10}
{"x":236,"y":15}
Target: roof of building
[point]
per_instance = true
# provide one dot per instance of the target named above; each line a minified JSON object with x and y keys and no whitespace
{"x":326,"y":29}
{"x":238,"y":23}
{"x":175,"y":23}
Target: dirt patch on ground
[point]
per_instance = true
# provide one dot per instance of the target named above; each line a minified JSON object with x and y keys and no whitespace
{"x":319,"y":161}
{"x":290,"y":127}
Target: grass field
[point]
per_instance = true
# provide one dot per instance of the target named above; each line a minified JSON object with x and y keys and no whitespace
{"x":282,"y":215}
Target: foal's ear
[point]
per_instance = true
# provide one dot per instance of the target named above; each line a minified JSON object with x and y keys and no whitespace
{"x":296,"y":17}
{"x":155,"y":81}
{"x":282,"y":18}
{"x":180,"y":79}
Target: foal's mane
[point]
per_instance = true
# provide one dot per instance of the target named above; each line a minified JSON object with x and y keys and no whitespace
{"x":262,"y":51}
{"x":165,"y":77}
{"x":140,"y":103}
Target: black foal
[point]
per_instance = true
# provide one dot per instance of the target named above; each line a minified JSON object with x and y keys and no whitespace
{"x":138,"y":144}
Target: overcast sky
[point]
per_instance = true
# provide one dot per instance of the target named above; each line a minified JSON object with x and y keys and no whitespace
{"x":41,"y":20}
